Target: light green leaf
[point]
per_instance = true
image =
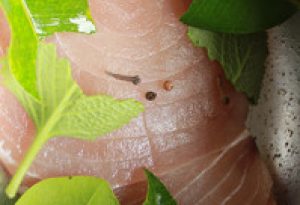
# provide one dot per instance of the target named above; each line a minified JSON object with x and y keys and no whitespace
{"x":63,"y":109}
{"x":237,"y":16}
{"x":30,"y":103}
{"x":23,"y":47}
{"x":157,"y":192}
{"x":69,"y":191}
{"x":94,"y":116}
{"x":50,"y":16}
{"x":241,"y":56}
{"x":31,"y":19}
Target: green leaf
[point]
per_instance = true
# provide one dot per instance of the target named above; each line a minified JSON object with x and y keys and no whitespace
{"x":157,"y":192}
{"x":69,"y":191}
{"x":50,"y":16}
{"x":23,"y":47}
{"x":241,"y":56}
{"x":63,"y":109}
{"x":31,"y":19}
{"x":94,"y":116}
{"x":237,"y":16}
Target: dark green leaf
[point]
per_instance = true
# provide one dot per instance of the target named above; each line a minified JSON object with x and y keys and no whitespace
{"x":237,"y":16}
{"x":31,"y":19}
{"x":241,"y":56}
{"x":69,"y":191}
{"x":157,"y":192}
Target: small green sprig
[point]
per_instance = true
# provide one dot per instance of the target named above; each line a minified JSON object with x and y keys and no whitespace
{"x":63,"y":109}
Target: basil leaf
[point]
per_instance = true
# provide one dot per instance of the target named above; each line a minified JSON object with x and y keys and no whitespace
{"x":31,"y":19}
{"x":241,"y":56}
{"x":69,"y":191}
{"x":63,"y":109}
{"x":237,"y":16}
{"x":157,"y":192}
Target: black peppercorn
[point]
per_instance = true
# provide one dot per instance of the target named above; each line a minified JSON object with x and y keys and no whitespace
{"x":151,"y":96}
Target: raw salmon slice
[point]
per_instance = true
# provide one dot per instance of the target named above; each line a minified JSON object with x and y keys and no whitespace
{"x":192,"y":136}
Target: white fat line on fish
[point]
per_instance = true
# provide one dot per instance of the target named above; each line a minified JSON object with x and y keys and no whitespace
{"x":256,"y":191}
{"x":233,"y":166}
{"x":148,"y":134}
{"x":135,"y":80}
{"x":191,"y":162}
{"x":235,"y":191}
{"x":241,"y":137}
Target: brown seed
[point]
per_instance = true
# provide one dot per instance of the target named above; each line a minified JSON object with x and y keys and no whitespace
{"x":168,"y":85}
{"x":151,"y":95}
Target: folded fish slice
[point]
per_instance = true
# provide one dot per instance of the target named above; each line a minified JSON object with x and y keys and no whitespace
{"x":182,"y":131}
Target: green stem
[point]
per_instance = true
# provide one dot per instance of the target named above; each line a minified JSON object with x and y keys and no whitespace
{"x":16,"y":181}
{"x":40,"y":139}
